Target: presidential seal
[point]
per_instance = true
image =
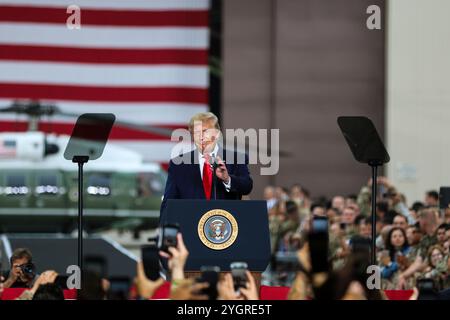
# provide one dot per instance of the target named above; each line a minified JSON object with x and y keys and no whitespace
{"x":217,"y":229}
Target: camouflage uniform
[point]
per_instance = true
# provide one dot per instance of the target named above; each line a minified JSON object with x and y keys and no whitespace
{"x":351,"y":231}
{"x":390,"y":274}
{"x":424,"y":244}
{"x":288,"y":225}
{"x":390,"y":283}
{"x":364,"y":202}
{"x":285,"y":227}
{"x":447,"y":278}
{"x":274,"y":229}
{"x":438,"y":274}
{"x":441,"y":276}
{"x":278,"y":229}
{"x":304,"y":213}
{"x":413,"y":253}
{"x":335,"y":243}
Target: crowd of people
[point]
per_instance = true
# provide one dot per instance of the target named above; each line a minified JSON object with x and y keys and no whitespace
{"x":412,"y":241}
{"x":308,"y":285}
{"x":412,"y":250}
{"x":45,"y":286}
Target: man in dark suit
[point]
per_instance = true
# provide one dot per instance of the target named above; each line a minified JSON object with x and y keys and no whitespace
{"x":191,"y":174}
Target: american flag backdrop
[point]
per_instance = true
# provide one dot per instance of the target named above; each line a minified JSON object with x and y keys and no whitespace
{"x":146,"y":61}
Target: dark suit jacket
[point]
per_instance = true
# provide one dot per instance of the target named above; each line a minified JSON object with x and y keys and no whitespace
{"x":184,"y":180}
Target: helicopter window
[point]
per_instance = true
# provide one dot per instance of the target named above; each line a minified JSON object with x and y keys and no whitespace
{"x":149,"y":184}
{"x":47,"y":185}
{"x":99,"y":185}
{"x":15,"y":185}
{"x":9,"y":143}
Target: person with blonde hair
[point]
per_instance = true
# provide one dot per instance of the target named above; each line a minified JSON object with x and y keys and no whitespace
{"x":437,"y":268}
{"x":209,"y":171}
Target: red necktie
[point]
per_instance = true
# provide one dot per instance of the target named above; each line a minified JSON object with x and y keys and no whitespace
{"x":207,"y":177}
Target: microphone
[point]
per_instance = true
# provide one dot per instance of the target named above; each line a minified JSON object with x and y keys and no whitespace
{"x":213,"y":163}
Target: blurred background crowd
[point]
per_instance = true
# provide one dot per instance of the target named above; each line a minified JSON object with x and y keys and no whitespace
{"x":412,"y":241}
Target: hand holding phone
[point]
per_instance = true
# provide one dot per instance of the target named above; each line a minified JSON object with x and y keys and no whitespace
{"x":385,"y":259}
{"x":210,"y":275}
{"x":168,"y":237}
{"x":150,"y":261}
{"x":318,"y":245}
{"x":238,"y":272}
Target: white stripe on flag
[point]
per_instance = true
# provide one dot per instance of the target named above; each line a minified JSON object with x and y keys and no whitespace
{"x":104,"y":74}
{"x":140,"y":113}
{"x":158,"y":151}
{"x":116,"y":4}
{"x":104,"y":37}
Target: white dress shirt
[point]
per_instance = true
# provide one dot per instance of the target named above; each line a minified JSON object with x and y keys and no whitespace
{"x":201,"y":162}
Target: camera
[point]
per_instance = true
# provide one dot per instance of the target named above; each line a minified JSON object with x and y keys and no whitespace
{"x":28,"y":269}
{"x":427,"y":290}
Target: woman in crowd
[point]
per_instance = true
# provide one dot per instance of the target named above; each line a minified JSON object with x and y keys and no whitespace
{"x":394,"y":259}
{"x":437,"y":267}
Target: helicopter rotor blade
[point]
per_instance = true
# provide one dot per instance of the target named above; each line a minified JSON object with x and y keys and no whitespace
{"x":267,"y":150}
{"x":145,"y":128}
{"x":168,"y":132}
{"x":30,"y":108}
{"x":35,"y":108}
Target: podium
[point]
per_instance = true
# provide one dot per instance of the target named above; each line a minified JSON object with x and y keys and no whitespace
{"x":219,"y":232}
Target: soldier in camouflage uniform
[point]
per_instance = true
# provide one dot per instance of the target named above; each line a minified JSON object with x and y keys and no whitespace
{"x":274,"y":230}
{"x":364,"y":200}
{"x":414,"y":235}
{"x":447,"y":279}
{"x":428,"y":222}
{"x":426,"y":242}
{"x":283,"y":218}
{"x":437,"y":267}
{"x":338,"y":250}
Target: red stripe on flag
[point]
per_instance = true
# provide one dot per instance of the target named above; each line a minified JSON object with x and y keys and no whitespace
{"x":117,"y":94}
{"x":109,"y":55}
{"x":165,"y":165}
{"x":187,"y":18}
{"x":117,"y":133}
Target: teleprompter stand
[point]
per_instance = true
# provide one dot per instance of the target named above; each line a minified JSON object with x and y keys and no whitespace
{"x":366,"y":147}
{"x":87,"y":142}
